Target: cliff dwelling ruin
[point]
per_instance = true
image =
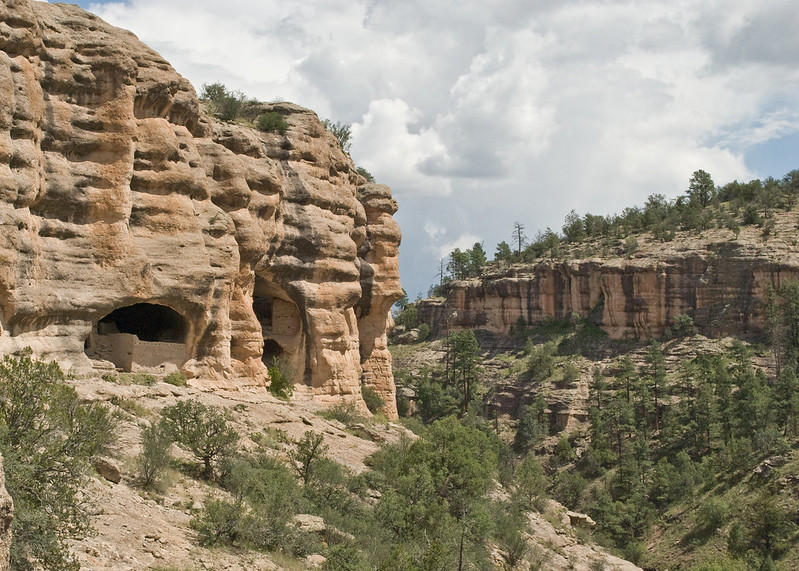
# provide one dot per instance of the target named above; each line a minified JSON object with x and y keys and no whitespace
{"x":143,"y":336}
{"x":279,"y":318}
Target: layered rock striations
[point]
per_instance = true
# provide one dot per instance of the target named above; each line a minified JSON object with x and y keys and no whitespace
{"x":137,"y":230}
{"x":718,"y":280}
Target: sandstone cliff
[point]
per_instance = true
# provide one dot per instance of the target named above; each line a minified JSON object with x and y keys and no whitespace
{"x":137,"y":230}
{"x":718,"y":279}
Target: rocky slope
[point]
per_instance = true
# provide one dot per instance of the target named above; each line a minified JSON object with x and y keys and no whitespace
{"x":139,"y":232}
{"x":717,"y":278}
{"x":152,"y":530}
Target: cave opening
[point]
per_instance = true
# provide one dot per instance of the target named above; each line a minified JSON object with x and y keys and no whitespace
{"x":272,"y":351}
{"x":147,"y":321}
{"x":143,"y":336}
{"x":263,"y":307}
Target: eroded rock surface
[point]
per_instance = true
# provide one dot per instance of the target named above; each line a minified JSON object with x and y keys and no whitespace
{"x":717,"y":279}
{"x":138,"y":232}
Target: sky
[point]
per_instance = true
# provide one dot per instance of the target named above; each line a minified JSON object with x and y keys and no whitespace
{"x":481,"y":114}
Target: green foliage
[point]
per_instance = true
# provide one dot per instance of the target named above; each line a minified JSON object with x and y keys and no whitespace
{"x":280,"y":384}
{"x":682,"y":326}
{"x":435,"y":399}
{"x":713,"y":514}
{"x":345,"y":411}
{"x":307,"y":455}
{"x":630,"y":245}
{"x":365,"y":174}
{"x":569,"y":488}
{"x":701,"y":189}
{"x":219,"y":523}
{"x":344,"y":557}
{"x":155,"y":458}
{"x":532,"y":427}
{"x":424,"y":332}
{"x":175,"y":378}
{"x":503,"y":252}
{"x":48,"y":438}
{"x":435,"y":491}
{"x":408,"y":317}
{"x":342,"y":132}
{"x":201,"y":429}
{"x":541,"y":360}
{"x":465,"y":366}
{"x":272,"y":122}
{"x":225,"y":104}
{"x":265,"y":496}
{"x":145,"y":379}
{"x":469,"y":263}
{"x":769,"y":524}
{"x":530,"y":483}
{"x":374,"y":402}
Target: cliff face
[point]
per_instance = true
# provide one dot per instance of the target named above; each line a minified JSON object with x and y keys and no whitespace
{"x":137,"y":230}
{"x":717,"y":280}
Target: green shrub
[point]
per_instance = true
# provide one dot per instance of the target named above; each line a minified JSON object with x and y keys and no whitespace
{"x":48,"y":438}
{"x":219,"y":522}
{"x":408,"y":317}
{"x":424,"y":332}
{"x":130,"y":406}
{"x":269,"y":498}
{"x":682,"y":326}
{"x":373,"y":401}
{"x":145,"y":379}
{"x":569,"y":489}
{"x":713,"y":514}
{"x":201,"y":429}
{"x":346,"y":412}
{"x":309,"y":451}
{"x":227,"y":105}
{"x":280,"y":384}
{"x":175,"y":378}
{"x":342,"y":132}
{"x":272,"y":122}
{"x":630,"y":245}
{"x":365,"y":174}
{"x":403,"y":405}
{"x":155,"y":458}
{"x":530,"y":483}
{"x":345,"y":557}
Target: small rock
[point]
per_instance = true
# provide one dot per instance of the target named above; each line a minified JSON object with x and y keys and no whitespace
{"x":315,"y":561}
{"x":108,"y":469}
{"x":309,"y":523}
{"x":407,"y":338}
{"x":580,"y":520}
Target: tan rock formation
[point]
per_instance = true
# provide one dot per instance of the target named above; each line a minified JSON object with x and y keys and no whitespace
{"x":716,"y":280}
{"x":126,"y":210}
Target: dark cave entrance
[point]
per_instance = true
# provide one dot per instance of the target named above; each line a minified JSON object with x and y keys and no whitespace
{"x":263,"y":306}
{"x":272,"y":351}
{"x":147,"y":321}
{"x":143,"y":336}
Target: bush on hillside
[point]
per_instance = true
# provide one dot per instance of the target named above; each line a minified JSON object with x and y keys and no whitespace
{"x":48,"y":438}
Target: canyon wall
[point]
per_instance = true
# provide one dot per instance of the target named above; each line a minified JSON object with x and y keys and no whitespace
{"x":716,"y":280}
{"x":126,"y":209}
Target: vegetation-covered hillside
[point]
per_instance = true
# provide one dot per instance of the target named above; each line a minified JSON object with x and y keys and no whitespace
{"x":683,"y":449}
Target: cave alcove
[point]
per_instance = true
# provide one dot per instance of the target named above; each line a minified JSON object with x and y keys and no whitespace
{"x":142,"y":336}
